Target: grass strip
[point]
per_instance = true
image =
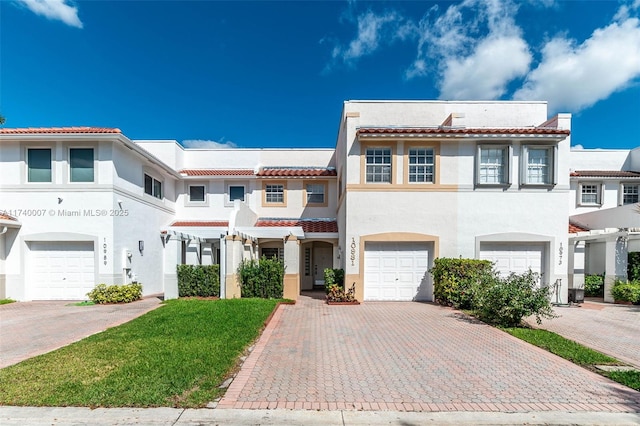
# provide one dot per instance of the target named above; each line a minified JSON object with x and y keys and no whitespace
{"x":6,"y":301}
{"x":576,"y":353}
{"x":176,"y":355}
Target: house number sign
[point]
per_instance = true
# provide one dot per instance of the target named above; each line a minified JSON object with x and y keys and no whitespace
{"x":560,"y":250}
{"x":104,"y":250}
{"x":353,"y":251}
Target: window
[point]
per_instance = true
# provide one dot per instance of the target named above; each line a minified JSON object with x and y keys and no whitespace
{"x":152,"y":186}
{"x":493,"y":165}
{"x":39,"y":165}
{"x":236,"y":192}
{"x":81,"y":164}
{"x":539,"y":168}
{"x":315,"y":193}
{"x":421,"y":165}
{"x":590,"y":194}
{"x":274,"y":193}
{"x":378,"y":161}
{"x":630,"y":193}
{"x":197,"y":193}
{"x":273,"y":252}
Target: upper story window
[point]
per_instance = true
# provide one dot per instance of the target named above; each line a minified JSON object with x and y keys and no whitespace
{"x":197,"y":193}
{"x":39,"y":164}
{"x":274,"y":193}
{"x":630,"y":193}
{"x":493,"y":165}
{"x":378,"y":165}
{"x":152,"y":186}
{"x":590,"y":194}
{"x":538,"y":165}
{"x":81,"y":165}
{"x":315,"y":193}
{"x":421,"y":165}
{"x":236,"y":192}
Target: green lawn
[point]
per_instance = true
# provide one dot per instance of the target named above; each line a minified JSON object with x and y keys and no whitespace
{"x":176,"y":355}
{"x":576,"y":353}
{"x":6,"y":301}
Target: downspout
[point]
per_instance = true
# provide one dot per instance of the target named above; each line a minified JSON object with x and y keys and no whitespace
{"x":4,"y":230}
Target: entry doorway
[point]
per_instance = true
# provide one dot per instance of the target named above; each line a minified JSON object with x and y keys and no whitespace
{"x":316,"y":257}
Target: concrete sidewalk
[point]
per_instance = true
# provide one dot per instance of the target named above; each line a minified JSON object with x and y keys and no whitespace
{"x":21,"y":416}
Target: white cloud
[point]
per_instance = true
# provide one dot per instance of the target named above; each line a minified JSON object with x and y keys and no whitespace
{"x":573,"y":77}
{"x":486,"y":72}
{"x":372,"y":30}
{"x":577,"y":147}
{"x":477,"y":47}
{"x":207,"y":144}
{"x":60,"y":10}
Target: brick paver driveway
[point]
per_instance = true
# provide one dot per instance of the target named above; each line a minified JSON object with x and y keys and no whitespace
{"x":610,"y":329}
{"x":28,"y":329}
{"x":409,"y":357}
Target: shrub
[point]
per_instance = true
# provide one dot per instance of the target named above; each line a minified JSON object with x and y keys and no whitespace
{"x":626,"y":291}
{"x":455,"y":281}
{"x":198,"y":280}
{"x":333,"y":277}
{"x":633,"y":266}
{"x":338,"y":294}
{"x":124,"y":293}
{"x":262,"y":278}
{"x":593,"y":285}
{"x":506,"y":301}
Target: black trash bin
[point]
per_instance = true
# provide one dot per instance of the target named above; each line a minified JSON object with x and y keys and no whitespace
{"x":576,"y":295}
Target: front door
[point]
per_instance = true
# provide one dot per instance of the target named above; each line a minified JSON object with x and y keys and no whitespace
{"x":322,"y":259}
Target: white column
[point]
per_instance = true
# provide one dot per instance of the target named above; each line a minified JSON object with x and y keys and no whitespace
{"x":615,"y":264}
{"x":172,"y":258}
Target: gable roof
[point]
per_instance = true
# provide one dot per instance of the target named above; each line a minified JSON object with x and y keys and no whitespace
{"x":308,"y":225}
{"x":605,"y":173}
{"x":217,"y":172}
{"x":37,"y":130}
{"x":575,"y":228}
{"x":461,"y":131}
{"x":296,"y":171}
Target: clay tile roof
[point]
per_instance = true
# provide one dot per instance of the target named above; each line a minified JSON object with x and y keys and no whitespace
{"x":296,"y":172}
{"x":217,"y":172}
{"x":462,"y":131}
{"x":575,"y":228}
{"x":39,"y":130}
{"x":605,"y":174}
{"x":308,"y":225}
{"x":4,"y":216}
{"x":201,"y":223}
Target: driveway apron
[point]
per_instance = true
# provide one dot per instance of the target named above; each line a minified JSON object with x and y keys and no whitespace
{"x":28,"y":329}
{"x":610,"y":329}
{"x":409,"y":357}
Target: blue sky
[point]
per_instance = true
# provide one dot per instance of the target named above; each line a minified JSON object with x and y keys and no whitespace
{"x":275,"y":74}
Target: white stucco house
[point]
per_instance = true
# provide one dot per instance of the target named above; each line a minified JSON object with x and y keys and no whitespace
{"x":604,"y":213}
{"x":408,"y":181}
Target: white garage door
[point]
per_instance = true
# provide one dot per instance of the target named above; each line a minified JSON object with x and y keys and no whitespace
{"x":518,"y":258}
{"x":61,"y":270}
{"x":397,"y":271}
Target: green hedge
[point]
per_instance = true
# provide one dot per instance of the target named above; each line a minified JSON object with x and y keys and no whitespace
{"x":626,"y":291}
{"x":456,"y":280}
{"x":594,"y":285}
{"x":333,"y":277}
{"x":633,"y":266}
{"x":262,"y":278}
{"x":198,"y":280}
{"x":124,"y":293}
{"x":473,"y":284}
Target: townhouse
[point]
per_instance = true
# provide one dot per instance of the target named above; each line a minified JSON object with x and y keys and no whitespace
{"x":408,"y":181}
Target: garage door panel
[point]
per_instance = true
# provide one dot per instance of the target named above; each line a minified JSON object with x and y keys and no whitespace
{"x":517,"y":258}
{"x":61,"y":270}
{"x":395,"y":271}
